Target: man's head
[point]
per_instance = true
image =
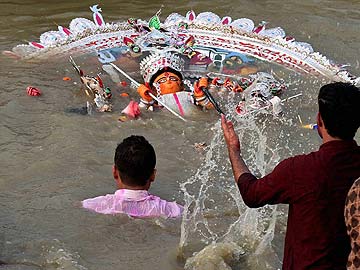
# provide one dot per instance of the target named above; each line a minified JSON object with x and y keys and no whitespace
{"x":339,"y":108}
{"x":135,"y":161}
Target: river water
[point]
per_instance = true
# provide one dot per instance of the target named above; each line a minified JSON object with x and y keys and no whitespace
{"x":51,"y":159}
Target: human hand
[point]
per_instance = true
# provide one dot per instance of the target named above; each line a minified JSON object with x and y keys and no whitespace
{"x":231,"y":138}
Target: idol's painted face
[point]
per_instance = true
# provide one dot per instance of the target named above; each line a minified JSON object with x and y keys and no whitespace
{"x":169,"y":83}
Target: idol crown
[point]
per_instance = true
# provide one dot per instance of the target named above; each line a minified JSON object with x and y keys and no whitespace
{"x":157,"y":61}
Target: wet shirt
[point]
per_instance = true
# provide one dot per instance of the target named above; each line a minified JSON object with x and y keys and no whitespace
{"x":315,"y":187}
{"x":135,"y":203}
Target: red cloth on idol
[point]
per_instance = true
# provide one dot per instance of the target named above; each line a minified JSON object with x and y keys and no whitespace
{"x":315,"y":187}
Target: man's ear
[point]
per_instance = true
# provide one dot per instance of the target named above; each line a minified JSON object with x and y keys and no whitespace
{"x":115,"y":172}
{"x":152,"y":176}
{"x":319,"y":120}
{"x":321,"y":127}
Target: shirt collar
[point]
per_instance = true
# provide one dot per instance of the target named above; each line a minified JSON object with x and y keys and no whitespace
{"x":132,"y":194}
{"x":339,"y":143}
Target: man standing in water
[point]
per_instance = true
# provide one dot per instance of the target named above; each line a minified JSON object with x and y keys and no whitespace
{"x":314,"y":185}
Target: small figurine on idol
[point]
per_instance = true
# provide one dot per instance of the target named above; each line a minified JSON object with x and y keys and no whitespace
{"x":95,"y":89}
{"x":258,"y":91}
{"x":263,"y":92}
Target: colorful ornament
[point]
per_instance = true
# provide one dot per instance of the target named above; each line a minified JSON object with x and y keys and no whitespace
{"x":64,"y":30}
{"x":132,"y":109}
{"x":154,"y":23}
{"x":98,"y":19}
{"x":32,"y":91}
{"x":123,"y":83}
{"x":37,"y":45}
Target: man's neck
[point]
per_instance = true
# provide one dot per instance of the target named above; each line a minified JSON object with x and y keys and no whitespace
{"x":124,"y":186}
{"x":327,"y":138}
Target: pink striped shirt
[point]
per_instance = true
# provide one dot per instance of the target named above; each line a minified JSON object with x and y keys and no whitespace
{"x":135,"y":203}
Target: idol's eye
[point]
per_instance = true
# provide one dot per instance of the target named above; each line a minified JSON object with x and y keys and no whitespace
{"x":162,"y":80}
{"x":173,"y":78}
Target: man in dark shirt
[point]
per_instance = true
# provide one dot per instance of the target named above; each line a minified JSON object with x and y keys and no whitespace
{"x":314,"y":185}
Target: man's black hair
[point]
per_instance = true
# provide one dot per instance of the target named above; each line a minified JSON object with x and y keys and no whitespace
{"x":339,"y":107}
{"x":135,"y":160}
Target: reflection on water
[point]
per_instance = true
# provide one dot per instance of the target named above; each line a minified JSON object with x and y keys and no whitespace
{"x":52,"y":159}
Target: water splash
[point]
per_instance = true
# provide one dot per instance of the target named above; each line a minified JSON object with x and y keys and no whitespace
{"x":215,"y":256}
{"x":59,"y":257}
{"x":216,"y":221}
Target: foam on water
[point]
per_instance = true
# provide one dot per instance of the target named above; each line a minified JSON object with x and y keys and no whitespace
{"x":43,"y":254}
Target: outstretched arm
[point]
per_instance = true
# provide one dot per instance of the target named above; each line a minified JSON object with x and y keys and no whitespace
{"x":233,"y":144}
{"x":276,"y":187}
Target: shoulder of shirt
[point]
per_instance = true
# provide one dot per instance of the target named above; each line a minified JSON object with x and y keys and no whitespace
{"x":100,"y":197}
{"x":302,"y":156}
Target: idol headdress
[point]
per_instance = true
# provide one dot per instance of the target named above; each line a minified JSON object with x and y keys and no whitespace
{"x":209,"y":31}
{"x":156,"y":62}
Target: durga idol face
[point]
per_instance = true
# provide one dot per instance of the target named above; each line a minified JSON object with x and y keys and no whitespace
{"x":169,"y":83}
